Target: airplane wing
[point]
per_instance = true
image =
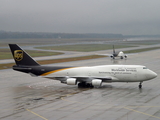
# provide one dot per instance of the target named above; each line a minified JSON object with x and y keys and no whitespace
{"x":82,"y":78}
{"x":91,"y":78}
{"x":106,"y":54}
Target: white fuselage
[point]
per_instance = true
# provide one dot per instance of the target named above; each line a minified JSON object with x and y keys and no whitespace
{"x":120,"y":54}
{"x":114,"y":73}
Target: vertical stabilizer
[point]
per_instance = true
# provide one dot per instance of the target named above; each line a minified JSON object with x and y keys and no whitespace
{"x":113,"y":50}
{"x":21,"y":57}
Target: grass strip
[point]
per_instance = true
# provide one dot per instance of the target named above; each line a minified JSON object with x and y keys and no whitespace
{"x":141,"y":50}
{"x":84,"y":47}
{"x":6,"y":54}
{"x":9,"y":65}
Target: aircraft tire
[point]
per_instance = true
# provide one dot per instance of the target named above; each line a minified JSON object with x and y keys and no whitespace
{"x":84,"y":85}
{"x":140,"y":86}
{"x":80,"y":85}
{"x":89,"y":85}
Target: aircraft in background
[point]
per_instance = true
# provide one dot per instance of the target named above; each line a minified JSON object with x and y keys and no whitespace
{"x":120,"y":54}
{"x":92,"y":76}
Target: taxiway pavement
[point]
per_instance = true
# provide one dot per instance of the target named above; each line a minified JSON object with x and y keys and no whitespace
{"x":25,"y":97}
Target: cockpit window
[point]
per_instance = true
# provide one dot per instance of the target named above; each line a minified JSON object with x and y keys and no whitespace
{"x":144,"y":67}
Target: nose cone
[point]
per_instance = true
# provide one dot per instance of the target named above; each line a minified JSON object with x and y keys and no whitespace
{"x":151,"y":75}
{"x":154,"y":75}
{"x":121,"y":54}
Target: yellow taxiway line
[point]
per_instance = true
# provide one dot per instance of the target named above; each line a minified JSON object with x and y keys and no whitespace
{"x":37,"y":114}
{"x":141,"y":112}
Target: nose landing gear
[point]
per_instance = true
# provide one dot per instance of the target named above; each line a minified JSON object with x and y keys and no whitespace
{"x":140,"y":85}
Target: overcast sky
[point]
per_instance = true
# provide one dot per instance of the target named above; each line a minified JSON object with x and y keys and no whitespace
{"x":127,"y":17}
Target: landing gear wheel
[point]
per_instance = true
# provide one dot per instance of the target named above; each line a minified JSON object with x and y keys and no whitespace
{"x":140,"y":85}
{"x":84,"y":85}
{"x":81,"y":85}
{"x":91,"y":86}
{"x":88,"y":85}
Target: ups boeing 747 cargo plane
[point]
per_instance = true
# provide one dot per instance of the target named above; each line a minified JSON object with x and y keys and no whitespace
{"x":83,"y":76}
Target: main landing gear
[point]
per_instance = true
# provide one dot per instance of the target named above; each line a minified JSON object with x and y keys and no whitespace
{"x":85,"y":85}
{"x":140,"y":85}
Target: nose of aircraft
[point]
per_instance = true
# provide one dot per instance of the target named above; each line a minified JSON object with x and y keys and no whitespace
{"x":154,"y":74}
{"x":151,"y":75}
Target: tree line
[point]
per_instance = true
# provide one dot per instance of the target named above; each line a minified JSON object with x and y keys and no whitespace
{"x":18,"y":35}
{"x":21,"y":35}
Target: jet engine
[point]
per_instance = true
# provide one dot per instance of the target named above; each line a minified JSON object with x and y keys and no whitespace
{"x":71,"y":81}
{"x":112,"y":56}
{"x":96,"y":82}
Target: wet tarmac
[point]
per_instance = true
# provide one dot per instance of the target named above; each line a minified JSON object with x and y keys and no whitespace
{"x":25,"y":97}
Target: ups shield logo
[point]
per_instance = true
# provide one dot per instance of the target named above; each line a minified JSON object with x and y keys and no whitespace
{"x":18,"y":55}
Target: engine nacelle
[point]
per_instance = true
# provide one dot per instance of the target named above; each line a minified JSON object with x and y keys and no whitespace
{"x":96,"y":82}
{"x":71,"y":81}
{"x":111,"y":56}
